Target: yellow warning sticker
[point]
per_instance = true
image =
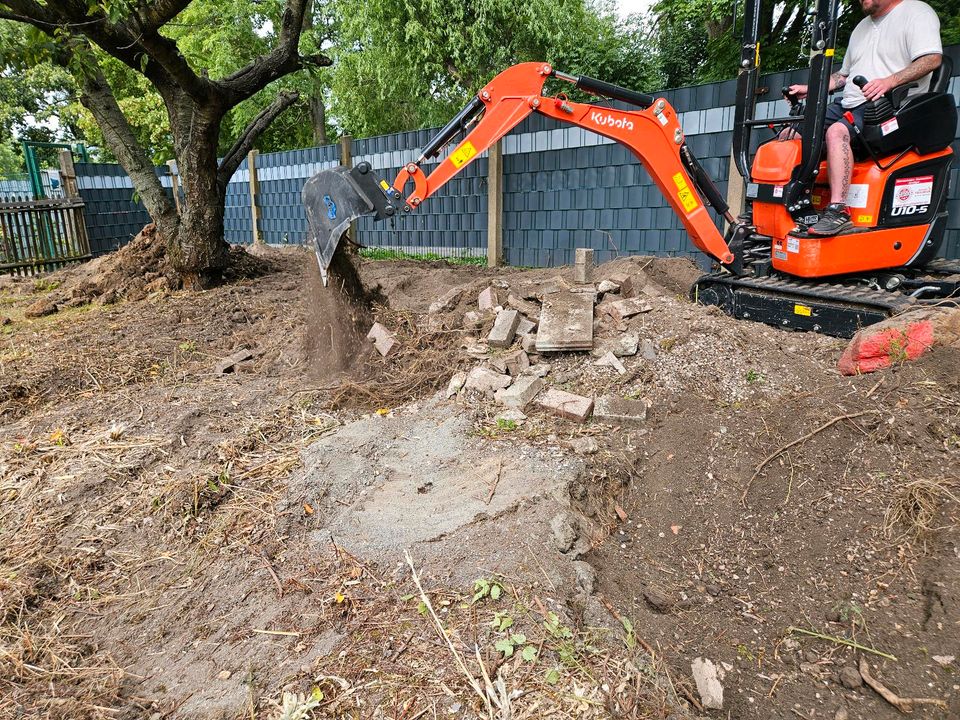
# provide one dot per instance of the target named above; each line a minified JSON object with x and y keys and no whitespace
{"x":384,"y":185}
{"x":828,"y":52}
{"x":865,"y":218}
{"x":461,"y":156}
{"x":687,"y":197}
{"x":802,"y":310}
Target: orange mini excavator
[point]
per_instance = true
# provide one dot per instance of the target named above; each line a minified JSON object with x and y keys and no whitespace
{"x":769,"y":268}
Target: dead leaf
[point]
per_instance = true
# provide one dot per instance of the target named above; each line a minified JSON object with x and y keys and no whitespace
{"x":621,"y":513}
{"x":307,"y":508}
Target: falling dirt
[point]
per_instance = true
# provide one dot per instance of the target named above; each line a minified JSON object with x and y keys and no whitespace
{"x":177,"y":543}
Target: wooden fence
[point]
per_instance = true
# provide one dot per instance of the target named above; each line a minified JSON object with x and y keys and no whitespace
{"x":41,"y":235}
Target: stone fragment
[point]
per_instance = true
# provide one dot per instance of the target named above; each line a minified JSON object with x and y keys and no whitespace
{"x":472,"y":320}
{"x":583,"y":265}
{"x":586,"y":576}
{"x":524,"y":389}
{"x":486,"y":380}
{"x":231,"y":362}
{"x":708,"y":685}
{"x":488,"y":299}
{"x":850,"y":677}
{"x":4,"y":321}
{"x":624,"y":282}
{"x":224,"y":675}
{"x":40,"y":308}
{"x":529,"y":309}
{"x":648,"y":350}
{"x":624,"y":345}
{"x":553,"y":285}
{"x":446,"y":302}
{"x":456,"y":384}
{"x":564,"y":532}
{"x":566,"y":405}
{"x":658,"y":600}
{"x":528,"y":342}
{"x":504,"y":329}
{"x":539,"y":370}
{"x":383,"y":339}
{"x":611,"y":360}
{"x":607,"y":286}
{"x":512,"y":415}
{"x":525,"y":326}
{"x":584,"y":446}
{"x":566,"y":323}
{"x":615,"y":410}
{"x":620,"y":310}
{"x":516,"y":362}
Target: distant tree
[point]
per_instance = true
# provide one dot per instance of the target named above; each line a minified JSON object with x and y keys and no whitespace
{"x":403,"y":64}
{"x":80,"y":36}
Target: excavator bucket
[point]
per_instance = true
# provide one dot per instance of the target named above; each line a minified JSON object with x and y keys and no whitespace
{"x":333,"y":199}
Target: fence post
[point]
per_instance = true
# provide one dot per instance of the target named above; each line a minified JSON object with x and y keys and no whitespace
{"x":346,"y":159}
{"x":495,"y":205}
{"x":734,"y":188}
{"x":68,"y":174}
{"x":174,"y":183}
{"x":254,"y":196}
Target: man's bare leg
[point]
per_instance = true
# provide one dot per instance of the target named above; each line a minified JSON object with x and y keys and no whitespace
{"x":839,"y":162}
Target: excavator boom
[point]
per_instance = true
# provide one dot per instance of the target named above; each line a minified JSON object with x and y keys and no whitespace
{"x":335,"y":198}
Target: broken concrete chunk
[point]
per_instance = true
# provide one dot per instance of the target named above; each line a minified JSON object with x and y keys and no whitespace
{"x":622,"y":346}
{"x":504,"y":329}
{"x":525,"y":327}
{"x":446,"y":302}
{"x":382,"y":339}
{"x":566,"y":405}
{"x":566,"y":322}
{"x":529,"y":309}
{"x":611,"y":360}
{"x":524,"y":389}
{"x":528,"y":342}
{"x":583,"y":265}
{"x":512,"y":415}
{"x":620,"y":310}
{"x":564,"y":532}
{"x":584,"y":446}
{"x":472,"y":320}
{"x":649,"y":350}
{"x":231,"y":362}
{"x":553,"y":285}
{"x":539,"y":370}
{"x":615,"y":410}
{"x":607,"y":286}
{"x":456,"y":384}
{"x":705,"y":676}
{"x":488,"y":299}
{"x":516,"y":362}
{"x":486,"y":380}
{"x":625,"y":282}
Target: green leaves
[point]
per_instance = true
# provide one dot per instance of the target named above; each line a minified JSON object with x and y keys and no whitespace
{"x":483,"y":588}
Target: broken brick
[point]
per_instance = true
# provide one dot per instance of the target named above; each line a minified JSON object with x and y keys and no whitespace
{"x":615,"y":410}
{"x":232,"y":362}
{"x":486,"y":380}
{"x":525,"y":327}
{"x":620,"y":310}
{"x":383,"y":339}
{"x":488,"y":299}
{"x":529,"y":309}
{"x":446,"y":302}
{"x":524,"y":389}
{"x":566,"y":405}
{"x":504,"y":329}
{"x":625,"y":282}
{"x":516,"y":362}
{"x":583,"y":265}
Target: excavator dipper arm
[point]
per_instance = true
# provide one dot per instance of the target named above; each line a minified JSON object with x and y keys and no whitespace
{"x":651,"y":132}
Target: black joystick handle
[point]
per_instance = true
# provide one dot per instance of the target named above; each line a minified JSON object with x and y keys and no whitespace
{"x":860,"y":81}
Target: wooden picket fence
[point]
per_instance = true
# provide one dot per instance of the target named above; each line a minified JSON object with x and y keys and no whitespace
{"x":41,"y":235}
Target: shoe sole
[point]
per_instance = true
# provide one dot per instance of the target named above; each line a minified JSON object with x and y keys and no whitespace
{"x":842,"y":228}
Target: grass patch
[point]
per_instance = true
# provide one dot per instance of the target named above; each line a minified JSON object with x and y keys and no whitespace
{"x":387,"y":254}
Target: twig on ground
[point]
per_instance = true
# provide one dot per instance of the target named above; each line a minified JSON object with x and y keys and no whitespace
{"x":842,"y":641}
{"x":775,"y":454}
{"x":904,"y":705}
{"x":496,"y":481}
{"x":272,"y":572}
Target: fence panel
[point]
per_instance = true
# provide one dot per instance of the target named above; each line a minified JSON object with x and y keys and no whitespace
{"x":39,"y":236}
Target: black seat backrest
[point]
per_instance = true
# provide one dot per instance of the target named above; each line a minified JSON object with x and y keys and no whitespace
{"x":940,"y":78}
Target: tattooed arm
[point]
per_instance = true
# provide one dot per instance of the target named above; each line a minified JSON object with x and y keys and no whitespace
{"x":923,"y":65}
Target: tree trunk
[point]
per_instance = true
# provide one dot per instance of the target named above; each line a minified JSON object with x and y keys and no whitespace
{"x":318,"y":116}
{"x":198,"y":250}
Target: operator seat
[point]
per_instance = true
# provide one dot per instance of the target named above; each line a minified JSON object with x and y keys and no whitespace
{"x":895,"y":123}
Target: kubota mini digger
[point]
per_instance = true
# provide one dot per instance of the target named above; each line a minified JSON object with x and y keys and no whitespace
{"x":769,"y":268}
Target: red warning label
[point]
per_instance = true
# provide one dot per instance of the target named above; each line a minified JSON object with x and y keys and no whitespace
{"x":913,"y":191}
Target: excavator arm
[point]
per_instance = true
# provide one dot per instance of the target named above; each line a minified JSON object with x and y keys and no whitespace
{"x":334,"y":198}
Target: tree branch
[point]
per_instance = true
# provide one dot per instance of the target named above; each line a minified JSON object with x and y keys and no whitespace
{"x":284,"y":59}
{"x":231,"y":161}
{"x":155,"y":15}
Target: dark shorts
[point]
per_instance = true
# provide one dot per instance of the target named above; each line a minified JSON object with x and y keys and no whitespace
{"x":835,"y":113}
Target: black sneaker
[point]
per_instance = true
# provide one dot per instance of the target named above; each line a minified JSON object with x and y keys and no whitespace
{"x":834,"y":219}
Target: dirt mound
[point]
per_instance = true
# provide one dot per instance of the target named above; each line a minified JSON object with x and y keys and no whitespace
{"x":137,"y":270}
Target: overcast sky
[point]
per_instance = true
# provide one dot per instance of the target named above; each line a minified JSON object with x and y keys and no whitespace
{"x":626,"y":7}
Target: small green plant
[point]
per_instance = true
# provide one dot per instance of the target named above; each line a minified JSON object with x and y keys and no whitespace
{"x":743,"y":652}
{"x":388,"y":254}
{"x":188,"y":346}
{"x":754,"y":377}
{"x":501,"y":622}
{"x":897,"y":349}
{"x":629,"y":638}
{"x":483,"y":588}
{"x":506,"y":425}
{"x":43,"y":285}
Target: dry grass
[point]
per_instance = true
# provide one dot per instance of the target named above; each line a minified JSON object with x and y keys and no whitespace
{"x":916,"y":505}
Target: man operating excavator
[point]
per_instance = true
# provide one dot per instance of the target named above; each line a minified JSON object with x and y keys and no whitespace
{"x":898,"y":42}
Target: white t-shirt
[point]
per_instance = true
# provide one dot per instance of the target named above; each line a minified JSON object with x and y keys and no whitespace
{"x":878,"y":48}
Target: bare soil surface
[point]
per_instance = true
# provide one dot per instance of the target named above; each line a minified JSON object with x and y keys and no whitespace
{"x":322,"y":527}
